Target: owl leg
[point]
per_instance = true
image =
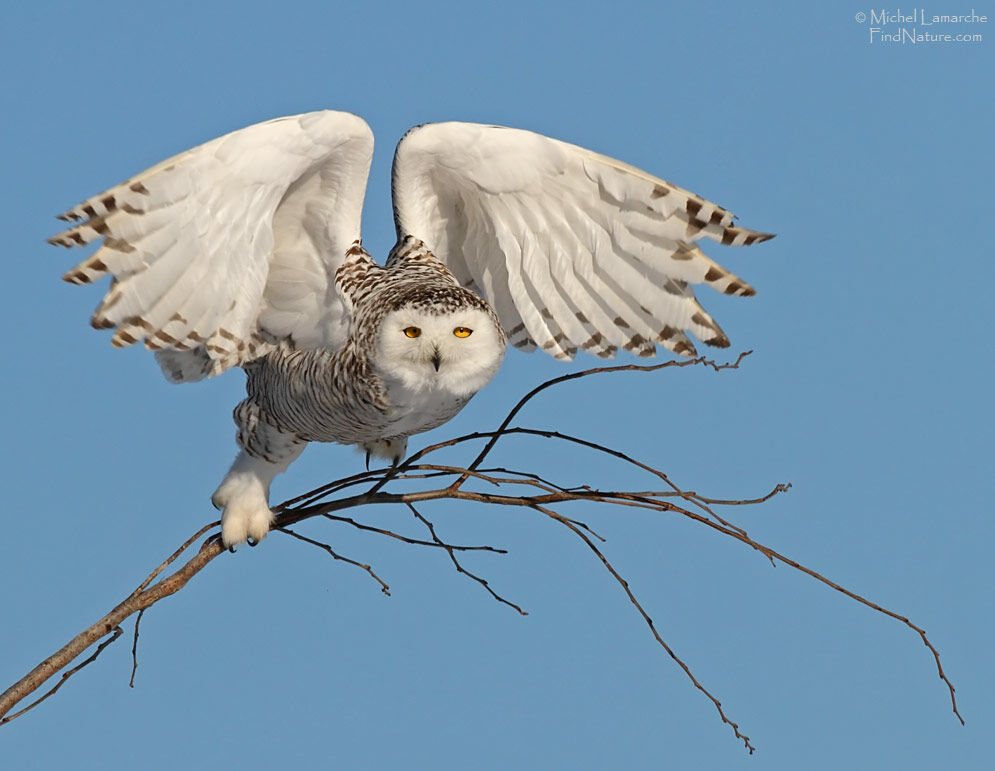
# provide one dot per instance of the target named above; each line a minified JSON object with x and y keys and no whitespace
{"x":243,"y":495}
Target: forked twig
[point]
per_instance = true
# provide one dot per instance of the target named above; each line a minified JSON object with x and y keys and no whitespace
{"x":459,"y":567}
{"x":649,"y":622}
{"x":115,"y":633}
{"x":325,"y":547}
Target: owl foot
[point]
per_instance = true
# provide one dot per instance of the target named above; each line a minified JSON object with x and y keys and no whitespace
{"x":245,"y":512}
{"x":392,"y":449}
{"x":243,"y":498}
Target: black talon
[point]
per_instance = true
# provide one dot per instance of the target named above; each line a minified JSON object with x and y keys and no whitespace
{"x":367,"y":460}
{"x":252,"y":541}
{"x":231,"y":549}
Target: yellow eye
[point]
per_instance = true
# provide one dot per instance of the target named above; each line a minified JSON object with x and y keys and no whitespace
{"x":462,"y":331}
{"x":412,"y":331}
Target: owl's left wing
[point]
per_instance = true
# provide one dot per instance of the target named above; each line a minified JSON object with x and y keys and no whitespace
{"x":219,"y":251}
{"x":573,"y":249}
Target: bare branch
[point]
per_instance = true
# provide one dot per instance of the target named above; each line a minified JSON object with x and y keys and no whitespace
{"x":324,"y":546}
{"x":108,"y":625}
{"x":701,"y":360}
{"x":649,"y":622}
{"x":117,"y":632}
{"x":406,"y":539}
{"x":495,"y":435}
{"x":459,"y":567}
{"x":134,"y":649}
{"x":501,"y":487}
{"x":172,"y":557}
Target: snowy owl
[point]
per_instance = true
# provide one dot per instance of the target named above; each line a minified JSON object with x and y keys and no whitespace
{"x":245,"y":251}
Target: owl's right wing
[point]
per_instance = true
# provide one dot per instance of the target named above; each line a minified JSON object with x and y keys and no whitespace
{"x":231,"y":244}
{"x":572,"y":248}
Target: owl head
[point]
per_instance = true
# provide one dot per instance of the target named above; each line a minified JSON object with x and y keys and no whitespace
{"x":452,"y":343}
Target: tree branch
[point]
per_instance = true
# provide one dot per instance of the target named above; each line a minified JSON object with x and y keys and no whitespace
{"x":500,"y":487}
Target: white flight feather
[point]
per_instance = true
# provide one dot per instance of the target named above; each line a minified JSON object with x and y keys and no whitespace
{"x":192,"y":240}
{"x":547,"y":230}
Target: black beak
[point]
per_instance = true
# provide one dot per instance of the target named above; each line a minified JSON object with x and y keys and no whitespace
{"x":436,"y":360}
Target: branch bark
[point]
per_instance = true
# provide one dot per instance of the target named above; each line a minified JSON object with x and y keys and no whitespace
{"x":504,"y":487}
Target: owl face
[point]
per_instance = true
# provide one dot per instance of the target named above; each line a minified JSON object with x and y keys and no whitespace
{"x":457,"y":351}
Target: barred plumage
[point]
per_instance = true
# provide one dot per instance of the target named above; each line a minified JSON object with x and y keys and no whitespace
{"x":245,"y":251}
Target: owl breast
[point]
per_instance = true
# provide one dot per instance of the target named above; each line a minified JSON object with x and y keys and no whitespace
{"x":412,"y":412}
{"x":319,"y":395}
{"x":326,"y":396}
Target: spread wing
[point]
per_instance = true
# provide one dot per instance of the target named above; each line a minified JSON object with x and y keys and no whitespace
{"x":573,"y":249}
{"x":220,"y":250}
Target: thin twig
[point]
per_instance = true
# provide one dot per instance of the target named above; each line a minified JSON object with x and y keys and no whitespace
{"x":701,"y":360}
{"x":649,"y":622}
{"x":459,"y":568}
{"x":172,"y":557}
{"x":117,"y":632}
{"x":134,"y":648}
{"x":383,"y":584}
{"x":776,"y":490}
{"x":407,"y":539}
{"x":108,"y":625}
{"x":312,"y":496}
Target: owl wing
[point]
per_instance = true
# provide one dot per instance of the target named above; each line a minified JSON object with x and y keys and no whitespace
{"x":229,"y":246}
{"x":573,"y":249}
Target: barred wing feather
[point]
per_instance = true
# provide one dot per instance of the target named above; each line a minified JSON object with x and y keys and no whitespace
{"x":573,"y":249}
{"x":220,"y":250}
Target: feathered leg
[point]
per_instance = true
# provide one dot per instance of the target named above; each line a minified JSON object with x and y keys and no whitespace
{"x":243,"y":495}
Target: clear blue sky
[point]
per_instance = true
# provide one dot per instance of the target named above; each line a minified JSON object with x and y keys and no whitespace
{"x":870,"y":391}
